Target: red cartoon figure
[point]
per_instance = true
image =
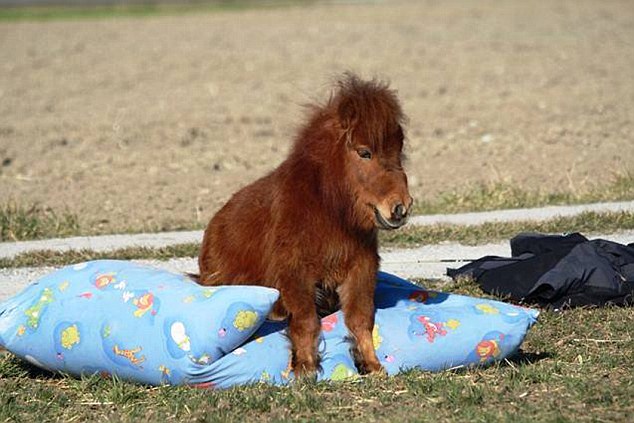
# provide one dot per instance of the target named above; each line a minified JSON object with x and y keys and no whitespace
{"x":419,"y":296}
{"x":328,"y":323}
{"x":143,"y":304}
{"x":423,"y":326}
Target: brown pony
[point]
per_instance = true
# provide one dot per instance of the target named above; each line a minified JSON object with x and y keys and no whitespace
{"x":311,"y":224}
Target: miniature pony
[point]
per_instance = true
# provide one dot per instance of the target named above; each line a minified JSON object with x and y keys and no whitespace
{"x":311,"y":224}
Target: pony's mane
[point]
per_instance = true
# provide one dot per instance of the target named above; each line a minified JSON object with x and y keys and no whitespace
{"x":369,"y":109}
{"x":363,"y":112}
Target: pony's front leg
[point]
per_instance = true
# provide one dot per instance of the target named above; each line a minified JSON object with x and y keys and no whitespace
{"x":298,"y":297}
{"x":356,"y":295}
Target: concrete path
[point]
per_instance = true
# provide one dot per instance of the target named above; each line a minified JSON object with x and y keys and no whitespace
{"x":155,"y":240}
{"x":428,"y":262}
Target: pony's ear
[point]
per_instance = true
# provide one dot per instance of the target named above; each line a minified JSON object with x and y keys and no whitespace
{"x":346,"y":115}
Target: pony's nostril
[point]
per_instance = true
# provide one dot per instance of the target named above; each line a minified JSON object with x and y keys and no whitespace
{"x":399,"y":212}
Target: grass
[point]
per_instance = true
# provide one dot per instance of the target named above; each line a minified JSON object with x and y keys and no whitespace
{"x":405,"y":237}
{"x":503,"y":195}
{"x":59,"y":12}
{"x":574,"y":366}
{"x":587,"y":222}
{"x":61,"y":258}
{"x":36,"y":222}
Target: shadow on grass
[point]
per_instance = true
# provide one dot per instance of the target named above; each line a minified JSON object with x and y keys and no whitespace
{"x":523,"y":358}
{"x":12,"y":366}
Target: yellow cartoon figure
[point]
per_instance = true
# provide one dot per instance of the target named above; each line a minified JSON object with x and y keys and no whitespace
{"x":342,"y":372}
{"x":487,"y":309}
{"x":207,"y":293}
{"x":245,"y":320}
{"x":21,"y":330}
{"x":376,"y":338}
{"x":70,"y":337}
{"x":165,"y":371}
{"x":452,"y":323}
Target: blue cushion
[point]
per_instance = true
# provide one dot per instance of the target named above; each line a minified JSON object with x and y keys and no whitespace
{"x":155,"y":327}
{"x":414,"y":328}
{"x":137,"y":322}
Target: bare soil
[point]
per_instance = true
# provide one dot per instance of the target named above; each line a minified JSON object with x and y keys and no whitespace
{"x":143,"y":123}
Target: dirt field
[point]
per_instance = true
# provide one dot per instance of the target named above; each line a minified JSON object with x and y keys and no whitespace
{"x":136,"y":123}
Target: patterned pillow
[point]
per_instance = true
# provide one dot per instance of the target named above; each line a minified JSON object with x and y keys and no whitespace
{"x":140,"y":323}
{"x":414,"y":328}
{"x":155,"y":327}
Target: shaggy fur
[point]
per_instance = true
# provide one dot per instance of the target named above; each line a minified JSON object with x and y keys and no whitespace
{"x":312,"y":223}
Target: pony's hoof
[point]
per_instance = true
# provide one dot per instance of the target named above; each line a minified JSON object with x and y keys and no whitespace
{"x":374,"y":369}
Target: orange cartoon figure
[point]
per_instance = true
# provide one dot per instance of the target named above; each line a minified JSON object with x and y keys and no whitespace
{"x":104,"y":279}
{"x":143,"y":304}
{"x":487,"y":349}
{"x":129,"y":354}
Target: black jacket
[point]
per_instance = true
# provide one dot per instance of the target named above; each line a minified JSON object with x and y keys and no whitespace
{"x":558,"y":271}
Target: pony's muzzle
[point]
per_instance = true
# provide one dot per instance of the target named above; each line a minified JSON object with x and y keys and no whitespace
{"x":398,"y":216}
{"x":399,"y":212}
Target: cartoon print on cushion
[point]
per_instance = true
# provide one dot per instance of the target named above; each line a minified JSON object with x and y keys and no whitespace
{"x":80,"y":266}
{"x":202,"y":360}
{"x":34,"y":313}
{"x":240,"y":317}
{"x":512,"y":316}
{"x":170,"y":376}
{"x":413,"y":297}
{"x":265,"y":376}
{"x":143,"y":303}
{"x":452,"y":324}
{"x":104,"y":280}
{"x":386,"y":356}
{"x":201,"y":295}
{"x":329,"y":322}
{"x":489,"y":348}
{"x":130,"y":354}
{"x":376,"y":338}
{"x":486,"y":308}
{"x":288,"y":371}
{"x":508,"y":313}
{"x":179,"y":343}
{"x":419,"y":296}
{"x":66,"y":336}
{"x":118,"y":353}
{"x":423,"y":326}
{"x":342,"y":372}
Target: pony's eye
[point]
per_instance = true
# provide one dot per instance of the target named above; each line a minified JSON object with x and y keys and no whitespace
{"x":364,"y":153}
